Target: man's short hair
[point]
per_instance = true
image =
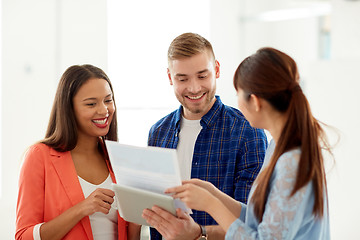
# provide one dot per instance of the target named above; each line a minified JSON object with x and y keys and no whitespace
{"x":187,"y":45}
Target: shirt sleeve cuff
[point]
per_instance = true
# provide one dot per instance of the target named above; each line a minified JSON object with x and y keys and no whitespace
{"x":36,"y":231}
{"x":243,"y":212}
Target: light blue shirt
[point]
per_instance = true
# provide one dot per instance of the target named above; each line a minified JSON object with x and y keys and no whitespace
{"x":284,"y":217}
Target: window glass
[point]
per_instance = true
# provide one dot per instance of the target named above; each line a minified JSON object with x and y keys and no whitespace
{"x":139,"y":34}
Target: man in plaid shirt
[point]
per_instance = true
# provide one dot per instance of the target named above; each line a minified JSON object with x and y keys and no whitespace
{"x":214,"y":142}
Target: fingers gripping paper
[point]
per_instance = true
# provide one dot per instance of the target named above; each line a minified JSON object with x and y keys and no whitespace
{"x":142,"y":175}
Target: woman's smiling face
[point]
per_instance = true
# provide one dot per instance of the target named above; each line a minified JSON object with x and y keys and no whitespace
{"x":94,"y":108}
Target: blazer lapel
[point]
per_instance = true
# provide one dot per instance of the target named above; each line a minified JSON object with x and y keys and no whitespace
{"x":66,"y":171}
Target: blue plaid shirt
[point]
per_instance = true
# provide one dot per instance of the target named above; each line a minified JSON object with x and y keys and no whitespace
{"x":228,"y":152}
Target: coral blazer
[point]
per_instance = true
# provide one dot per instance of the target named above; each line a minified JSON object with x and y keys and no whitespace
{"x":48,"y":186}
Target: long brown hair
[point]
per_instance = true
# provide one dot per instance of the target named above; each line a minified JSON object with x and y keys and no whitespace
{"x":62,"y":131}
{"x":272,"y":75}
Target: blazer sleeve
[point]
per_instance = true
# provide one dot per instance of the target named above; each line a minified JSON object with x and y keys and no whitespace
{"x":30,"y":203}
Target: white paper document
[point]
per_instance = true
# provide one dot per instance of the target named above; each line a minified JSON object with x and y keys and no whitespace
{"x":148,"y":168}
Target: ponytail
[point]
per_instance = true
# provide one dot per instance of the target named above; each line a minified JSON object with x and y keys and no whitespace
{"x":272,"y":75}
{"x":301,"y":130}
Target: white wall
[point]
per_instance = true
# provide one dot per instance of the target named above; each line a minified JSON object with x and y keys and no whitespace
{"x":27,"y":84}
{"x":333,"y":89}
{"x":228,"y":42}
{"x":40,"y":39}
{"x":346,"y":31}
{"x":333,"y":95}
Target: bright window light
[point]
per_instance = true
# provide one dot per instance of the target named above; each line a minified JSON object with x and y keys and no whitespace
{"x":139,"y":33}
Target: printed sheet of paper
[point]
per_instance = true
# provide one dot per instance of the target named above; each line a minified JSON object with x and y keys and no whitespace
{"x":149,"y":168}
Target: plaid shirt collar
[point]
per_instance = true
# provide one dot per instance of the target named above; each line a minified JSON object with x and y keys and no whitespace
{"x":208,"y":119}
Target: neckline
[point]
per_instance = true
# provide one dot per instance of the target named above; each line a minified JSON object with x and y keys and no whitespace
{"x":80,"y":178}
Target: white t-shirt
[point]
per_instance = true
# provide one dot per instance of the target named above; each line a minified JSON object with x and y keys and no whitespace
{"x":189,"y":130}
{"x":104,"y":226}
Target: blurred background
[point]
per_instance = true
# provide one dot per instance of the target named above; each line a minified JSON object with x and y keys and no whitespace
{"x":129,"y":40}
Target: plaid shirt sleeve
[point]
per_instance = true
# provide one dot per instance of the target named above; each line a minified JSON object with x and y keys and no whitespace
{"x":250,"y":161}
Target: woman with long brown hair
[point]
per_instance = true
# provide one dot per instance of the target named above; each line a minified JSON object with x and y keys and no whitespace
{"x":65,"y":180}
{"x":288,"y":200}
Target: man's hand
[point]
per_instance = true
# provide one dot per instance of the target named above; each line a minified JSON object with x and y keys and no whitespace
{"x":171,"y":227}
